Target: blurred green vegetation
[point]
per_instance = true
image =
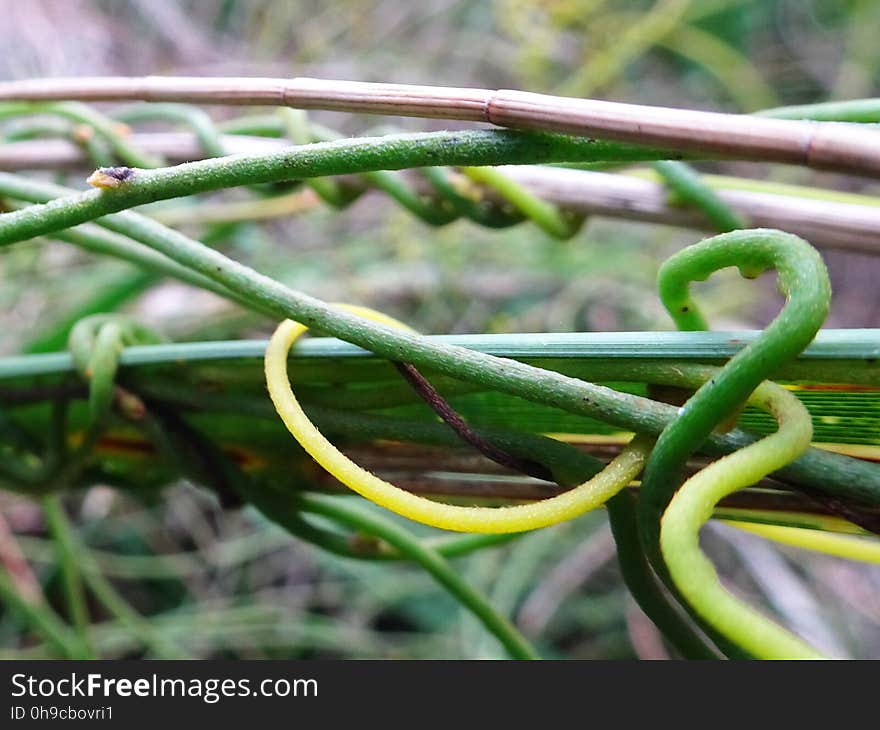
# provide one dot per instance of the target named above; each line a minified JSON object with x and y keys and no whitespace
{"x":226,"y":583}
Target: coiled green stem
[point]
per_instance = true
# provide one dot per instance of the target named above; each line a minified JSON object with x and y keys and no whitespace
{"x":692,"y":506}
{"x":96,"y":343}
{"x":803,"y":280}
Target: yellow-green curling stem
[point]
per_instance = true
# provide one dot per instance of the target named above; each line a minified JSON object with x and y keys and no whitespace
{"x":587,"y":496}
{"x":692,"y":572}
{"x":852,"y":547}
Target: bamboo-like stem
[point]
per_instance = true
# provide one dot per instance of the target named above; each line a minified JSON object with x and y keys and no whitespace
{"x":827,"y":223}
{"x":814,"y":144}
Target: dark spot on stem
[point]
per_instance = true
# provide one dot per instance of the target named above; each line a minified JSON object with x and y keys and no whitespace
{"x":110,"y":177}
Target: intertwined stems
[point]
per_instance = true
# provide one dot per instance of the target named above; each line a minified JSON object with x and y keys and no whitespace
{"x":839,"y":220}
{"x":585,"y":496}
{"x":845,"y":477}
{"x":316,"y":160}
{"x":92,"y":212}
{"x":691,"y":571}
{"x":803,"y":280}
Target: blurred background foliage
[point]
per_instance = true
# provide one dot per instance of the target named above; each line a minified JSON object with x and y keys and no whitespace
{"x":226,"y":583}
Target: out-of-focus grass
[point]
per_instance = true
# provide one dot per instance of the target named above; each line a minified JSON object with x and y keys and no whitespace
{"x":230,"y":584}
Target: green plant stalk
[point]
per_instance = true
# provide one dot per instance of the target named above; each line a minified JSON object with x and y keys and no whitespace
{"x":390,"y":183}
{"x":543,"y":214}
{"x":278,"y":507}
{"x":690,"y":188}
{"x":68,"y":562}
{"x":693,"y":189}
{"x":200,"y":457}
{"x":644,"y":586}
{"x":35,"y":129}
{"x":740,"y":78}
{"x":633,"y":39}
{"x":95,"y":344}
{"x":803,"y":280}
{"x":727,"y":182}
{"x":316,"y":160}
{"x":563,"y":460}
{"x":482,"y":213}
{"x":269,"y":126}
{"x":196,"y":119}
{"x":111,"y":599}
{"x":255,"y":125}
{"x":251,"y":210}
{"x":296,"y":126}
{"x":431,"y":561}
{"x":94,"y":239}
{"x":836,"y":356}
{"x":403,"y":193}
{"x":44,"y":620}
{"x":856,"y":110}
{"x":692,"y":572}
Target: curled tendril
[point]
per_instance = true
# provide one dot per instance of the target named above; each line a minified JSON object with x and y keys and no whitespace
{"x":95,"y":344}
{"x":803,"y":279}
{"x":691,"y":507}
{"x":548,"y":217}
{"x":589,"y":495}
{"x":455,"y":202}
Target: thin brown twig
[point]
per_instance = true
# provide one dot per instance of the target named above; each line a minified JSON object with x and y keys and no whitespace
{"x":451,"y":417}
{"x":842,"y":147}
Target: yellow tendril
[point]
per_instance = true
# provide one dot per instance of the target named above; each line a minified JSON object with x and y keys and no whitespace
{"x":863,"y":549}
{"x":692,"y":506}
{"x":587,"y":496}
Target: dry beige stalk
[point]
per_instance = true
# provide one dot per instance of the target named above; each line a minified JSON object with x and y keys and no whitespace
{"x":825,"y":145}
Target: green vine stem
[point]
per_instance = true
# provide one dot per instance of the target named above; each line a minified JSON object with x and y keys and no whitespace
{"x":44,"y":620}
{"x":315,"y":160}
{"x":402,"y":540}
{"x":199,"y":456}
{"x":804,"y":282}
{"x":95,"y":344}
{"x":645,"y":587}
{"x":545,"y":215}
{"x":689,"y":187}
{"x":865,"y":111}
{"x":71,"y":578}
{"x":691,"y":571}
{"x":94,"y":239}
{"x":298,"y":130}
{"x":469,"y":204}
{"x":197,"y":120}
